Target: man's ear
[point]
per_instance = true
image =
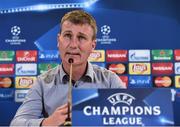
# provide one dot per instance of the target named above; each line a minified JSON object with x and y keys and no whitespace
{"x":93,"y":44}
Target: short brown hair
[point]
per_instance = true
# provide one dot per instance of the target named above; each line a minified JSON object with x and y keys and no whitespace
{"x":80,"y":17}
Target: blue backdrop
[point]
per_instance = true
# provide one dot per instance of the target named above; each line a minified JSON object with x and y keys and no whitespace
{"x":122,"y":25}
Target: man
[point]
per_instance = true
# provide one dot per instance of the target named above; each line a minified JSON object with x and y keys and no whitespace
{"x":46,"y":102}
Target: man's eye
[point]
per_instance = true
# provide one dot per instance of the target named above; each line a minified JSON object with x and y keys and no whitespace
{"x":68,"y":35}
{"x":81,"y":38}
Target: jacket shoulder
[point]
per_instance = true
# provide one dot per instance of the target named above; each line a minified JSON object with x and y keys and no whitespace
{"x":49,"y":76}
{"x":101,"y":70}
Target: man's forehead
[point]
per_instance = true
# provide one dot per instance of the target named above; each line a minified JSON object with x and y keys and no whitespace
{"x":68,"y":26}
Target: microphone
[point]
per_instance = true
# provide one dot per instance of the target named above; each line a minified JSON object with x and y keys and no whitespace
{"x":70,"y":60}
{"x":68,"y":119}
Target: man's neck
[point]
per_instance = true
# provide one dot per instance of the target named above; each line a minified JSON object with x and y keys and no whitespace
{"x":77,"y":72}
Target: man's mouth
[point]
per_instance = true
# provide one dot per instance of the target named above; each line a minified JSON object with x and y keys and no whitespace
{"x":72,"y":53}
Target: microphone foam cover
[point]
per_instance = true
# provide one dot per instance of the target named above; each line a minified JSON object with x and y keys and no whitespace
{"x":70,"y":60}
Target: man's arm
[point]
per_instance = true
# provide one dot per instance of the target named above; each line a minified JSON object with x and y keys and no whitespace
{"x":29,"y":113}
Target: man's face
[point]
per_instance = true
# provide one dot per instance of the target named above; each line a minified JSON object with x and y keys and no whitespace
{"x":75,"y":41}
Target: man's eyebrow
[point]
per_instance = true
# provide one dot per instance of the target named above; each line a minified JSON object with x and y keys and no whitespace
{"x":67,"y":31}
{"x":80,"y":33}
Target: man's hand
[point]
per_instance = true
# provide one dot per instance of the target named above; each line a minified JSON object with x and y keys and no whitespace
{"x":58,"y":117}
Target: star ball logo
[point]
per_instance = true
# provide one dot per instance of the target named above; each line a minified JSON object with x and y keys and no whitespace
{"x":122,"y":110}
{"x":105,"y":38}
{"x":105,"y":30}
{"x":15,"y":30}
{"x":15,"y":38}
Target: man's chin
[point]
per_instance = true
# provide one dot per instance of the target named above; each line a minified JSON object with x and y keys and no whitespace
{"x":77,"y":63}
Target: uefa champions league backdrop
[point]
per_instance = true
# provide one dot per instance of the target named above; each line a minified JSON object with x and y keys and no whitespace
{"x":137,"y":39}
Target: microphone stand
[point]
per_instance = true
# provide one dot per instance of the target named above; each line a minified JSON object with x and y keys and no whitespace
{"x":68,"y":119}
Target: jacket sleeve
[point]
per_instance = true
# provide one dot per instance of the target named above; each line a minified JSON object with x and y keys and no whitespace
{"x":30,"y":112}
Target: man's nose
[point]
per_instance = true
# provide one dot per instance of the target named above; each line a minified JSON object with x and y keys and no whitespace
{"x":74,"y":43}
